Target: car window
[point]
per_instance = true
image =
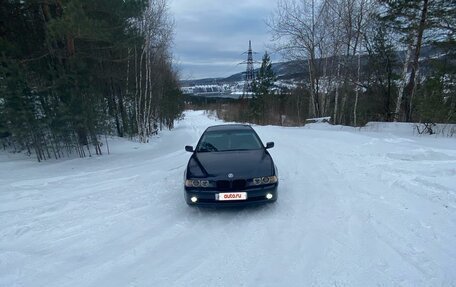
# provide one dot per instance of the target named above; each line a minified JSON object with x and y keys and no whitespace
{"x":228,"y":140}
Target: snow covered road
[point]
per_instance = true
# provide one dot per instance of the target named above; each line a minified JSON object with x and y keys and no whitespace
{"x":355,"y":208}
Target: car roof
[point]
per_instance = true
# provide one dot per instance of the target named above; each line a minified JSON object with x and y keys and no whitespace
{"x":226,"y":127}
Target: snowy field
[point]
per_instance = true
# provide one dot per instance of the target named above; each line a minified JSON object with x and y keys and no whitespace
{"x":355,"y":208}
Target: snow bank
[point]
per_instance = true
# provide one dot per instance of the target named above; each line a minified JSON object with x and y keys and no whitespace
{"x":409,"y":128}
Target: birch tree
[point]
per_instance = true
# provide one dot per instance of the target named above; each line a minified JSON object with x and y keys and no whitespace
{"x":156,"y":28}
{"x":409,"y":20}
{"x":295,"y":26}
{"x":320,"y":33}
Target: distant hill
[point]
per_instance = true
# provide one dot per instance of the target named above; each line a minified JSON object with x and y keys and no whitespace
{"x":284,"y":70}
{"x":296,"y":71}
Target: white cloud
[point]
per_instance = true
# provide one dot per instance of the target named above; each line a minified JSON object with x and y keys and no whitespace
{"x":213,"y":34}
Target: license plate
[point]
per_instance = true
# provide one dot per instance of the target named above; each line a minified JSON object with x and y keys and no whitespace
{"x":231,"y":196}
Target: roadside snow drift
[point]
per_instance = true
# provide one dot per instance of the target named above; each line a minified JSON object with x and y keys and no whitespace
{"x":355,"y":208}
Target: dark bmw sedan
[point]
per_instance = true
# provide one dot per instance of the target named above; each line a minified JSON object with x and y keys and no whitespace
{"x":230,"y":166}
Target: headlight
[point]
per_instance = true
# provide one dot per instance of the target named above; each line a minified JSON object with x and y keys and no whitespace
{"x":265,"y":180}
{"x":196,"y":183}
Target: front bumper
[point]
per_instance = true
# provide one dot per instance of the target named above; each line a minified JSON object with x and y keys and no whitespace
{"x":255,"y":195}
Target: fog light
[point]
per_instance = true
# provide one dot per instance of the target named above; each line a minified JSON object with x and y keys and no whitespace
{"x":269,"y":196}
{"x":194,"y":199}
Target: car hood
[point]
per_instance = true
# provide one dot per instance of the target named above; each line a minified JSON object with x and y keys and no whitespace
{"x":242,"y":164}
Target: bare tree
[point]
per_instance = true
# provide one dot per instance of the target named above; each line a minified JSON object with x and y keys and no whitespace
{"x":325,"y":34}
{"x":354,"y":16}
{"x":296,"y":26}
{"x":157,"y":29}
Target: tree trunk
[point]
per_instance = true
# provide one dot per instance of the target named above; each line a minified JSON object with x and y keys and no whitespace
{"x":336,"y":97}
{"x":355,"y":109}
{"x":312,"y":107}
{"x":401,"y":88}
{"x":410,"y":89}
{"x":407,"y":88}
{"x":342,"y":106}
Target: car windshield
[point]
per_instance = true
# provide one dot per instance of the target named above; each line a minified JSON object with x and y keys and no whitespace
{"x":228,"y":141}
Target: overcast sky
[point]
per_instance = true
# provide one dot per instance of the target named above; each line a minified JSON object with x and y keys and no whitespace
{"x":211,"y":35}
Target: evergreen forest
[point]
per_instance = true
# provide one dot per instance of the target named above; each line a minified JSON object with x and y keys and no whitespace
{"x":74,"y":71}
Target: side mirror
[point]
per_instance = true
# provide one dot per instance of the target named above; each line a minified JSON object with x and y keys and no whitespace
{"x":269,"y":145}
{"x":189,"y":148}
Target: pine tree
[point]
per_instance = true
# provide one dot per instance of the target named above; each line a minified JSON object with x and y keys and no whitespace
{"x":68,"y":73}
{"x":262,"y":90}
{"x":415,"y":22}
{"x":383,"y":64}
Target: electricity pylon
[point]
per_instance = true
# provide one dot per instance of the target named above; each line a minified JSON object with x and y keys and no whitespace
{"x":249,"y":72}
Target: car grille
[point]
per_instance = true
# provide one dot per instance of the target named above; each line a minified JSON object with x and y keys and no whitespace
{"x":223,"y":184}
{"x":238,"y":184}
{"x":234,"y":184}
